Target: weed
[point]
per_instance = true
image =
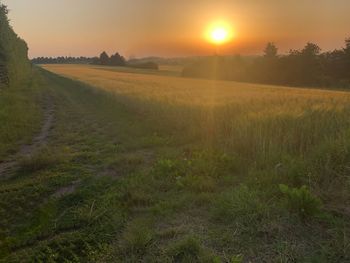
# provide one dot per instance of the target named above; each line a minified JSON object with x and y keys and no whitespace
{"x":301,"y":201}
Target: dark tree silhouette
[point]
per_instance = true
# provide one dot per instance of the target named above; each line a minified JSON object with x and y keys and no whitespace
{"x":104,"y":58}
{"x":117,"y":60}
{"x":270,"y":50}
{"x":306,"y":67}
{"x":310,"y":65}
{"x":311,"y":50}
{"x":65,"y":60}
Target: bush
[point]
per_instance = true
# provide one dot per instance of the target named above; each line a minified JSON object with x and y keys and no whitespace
{"x":301,"y":201}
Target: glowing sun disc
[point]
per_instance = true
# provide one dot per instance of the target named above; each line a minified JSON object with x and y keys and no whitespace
{"x":219,"y":35}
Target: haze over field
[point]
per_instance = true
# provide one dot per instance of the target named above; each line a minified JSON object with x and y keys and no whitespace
{"x":175,"y":28}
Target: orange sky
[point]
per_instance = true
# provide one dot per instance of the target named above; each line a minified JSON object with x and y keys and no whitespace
{"x":175,"y":28}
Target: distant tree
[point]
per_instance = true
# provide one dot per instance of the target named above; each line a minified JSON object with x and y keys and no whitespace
{"x":311,"y":50}
{"x":117,"y":60}
{"x":270,"y":50}
{"x":104,"y":58}
{"x":265,"y":69}
{"x":347,"y":46}
{"x":311,"y":64}
{"x":63,"y":60}
{"x":346,"y":59}
{"x":95,"y":60}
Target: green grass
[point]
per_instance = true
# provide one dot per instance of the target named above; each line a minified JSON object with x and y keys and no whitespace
{"x":162,"y":188}
{"x":20,"y":115}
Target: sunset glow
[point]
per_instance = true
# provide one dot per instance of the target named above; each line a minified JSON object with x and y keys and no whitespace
{"x":176,"y":28}
{"x":219,"y":33}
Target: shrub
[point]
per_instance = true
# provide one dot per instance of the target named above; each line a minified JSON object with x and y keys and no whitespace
{"x":301,"y":201}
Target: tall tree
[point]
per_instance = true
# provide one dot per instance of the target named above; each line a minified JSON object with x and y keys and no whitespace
{"x":104,"y":58}
{"x":270,"y":50}
{"x":347,"y":59}
{"x":347,"y":46}
{"x":310,"y":65}
{"x":117,"y":60}
{"x":311,"y":50}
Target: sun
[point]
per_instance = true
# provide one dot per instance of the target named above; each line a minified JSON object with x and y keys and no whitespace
{"x":219,"y":33}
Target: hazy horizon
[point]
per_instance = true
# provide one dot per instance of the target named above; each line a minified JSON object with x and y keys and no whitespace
{"x":173,"y":29}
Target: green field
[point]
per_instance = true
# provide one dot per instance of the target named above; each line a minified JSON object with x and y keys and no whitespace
{"x":146,"y":166}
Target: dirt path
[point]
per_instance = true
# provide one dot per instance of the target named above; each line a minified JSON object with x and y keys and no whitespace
{"x":9,"y":166}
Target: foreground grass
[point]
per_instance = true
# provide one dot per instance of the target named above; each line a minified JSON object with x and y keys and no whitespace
{"x":20,"y":115}
{"x":138,"y":176}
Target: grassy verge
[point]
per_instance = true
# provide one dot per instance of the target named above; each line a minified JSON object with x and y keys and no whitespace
{"x":20,"y":115}
{"x":131,"y":180}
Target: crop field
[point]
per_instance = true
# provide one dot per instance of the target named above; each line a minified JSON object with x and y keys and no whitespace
{"x":262,"y":120}
{"x":146,"y":166}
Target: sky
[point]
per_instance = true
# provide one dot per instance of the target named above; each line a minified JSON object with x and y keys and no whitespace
{"x":170,"y":28}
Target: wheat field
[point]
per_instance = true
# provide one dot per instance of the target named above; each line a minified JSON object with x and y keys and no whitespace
{"x":198,"y":92}
{"x":259,"y":119}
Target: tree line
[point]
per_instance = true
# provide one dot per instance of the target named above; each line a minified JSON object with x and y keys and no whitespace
{"x":114,"y":60}
{"x":14,"y":62}
{"x":62,"y":60}
{"x":104,"y":59}
{"x":305,"y":67}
